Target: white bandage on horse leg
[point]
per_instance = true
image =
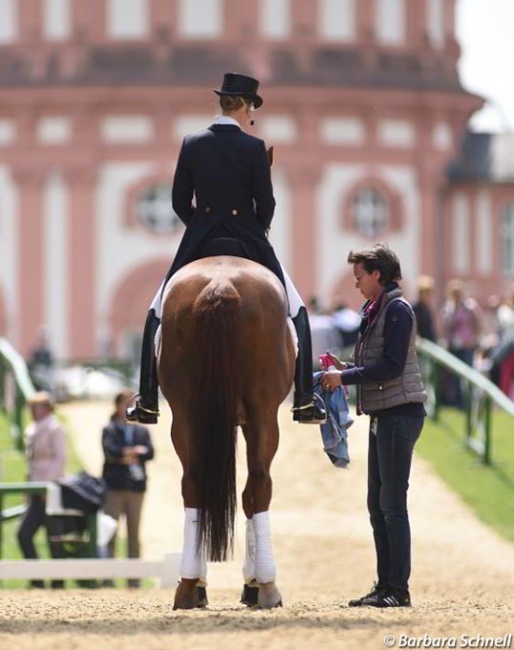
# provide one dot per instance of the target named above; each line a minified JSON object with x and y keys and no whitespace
{"x":294,"y":298}
{"x":265,"y":568}
{"x":156,"y":304}
{"x":192,"y":564}
{"x":249,"y":561}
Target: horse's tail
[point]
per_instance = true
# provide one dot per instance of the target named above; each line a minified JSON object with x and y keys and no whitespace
{"x":216,"y":318}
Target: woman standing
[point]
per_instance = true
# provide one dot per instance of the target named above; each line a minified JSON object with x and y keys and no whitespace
{"x":127,"y":448}
{"x":390,"y":390}
{"x":46,"y":452}
{"x":222,"y":191}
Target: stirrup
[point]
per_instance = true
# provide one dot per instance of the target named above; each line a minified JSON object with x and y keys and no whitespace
{"x":312,"y":413}
{"x":141,"y":414}
{"x":295,"y":409}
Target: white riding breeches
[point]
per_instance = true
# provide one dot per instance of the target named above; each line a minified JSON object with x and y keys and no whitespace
{"x":156,"y":304}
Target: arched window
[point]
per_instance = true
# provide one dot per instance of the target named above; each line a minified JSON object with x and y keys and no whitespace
{"x":154,"y":210}
{"x":507,"y":240}
{"x":370,"y":212}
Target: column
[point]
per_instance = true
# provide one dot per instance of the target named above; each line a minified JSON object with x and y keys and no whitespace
{"x":305,"y":16}
{"x":304,"y":182}
{"x":243,"y":31}
{"x":431,"y":244}
{"x":416,"y":21}
{"x":304,"y":23}
{"x":365,"y":21}
{"x":89,"y":20}
{"x":162,"y":27}
{"x":30,"y":17}
{"x":160,"y":17}
{"x":29,"y":183}
{"x":81,"y":263}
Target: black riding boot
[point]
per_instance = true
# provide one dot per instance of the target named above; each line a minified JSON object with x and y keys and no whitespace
{"x":146,"y":410}
{"x":308,"y":408}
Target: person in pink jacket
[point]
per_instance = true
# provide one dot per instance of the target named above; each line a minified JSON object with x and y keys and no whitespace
{"x":45,"y":445}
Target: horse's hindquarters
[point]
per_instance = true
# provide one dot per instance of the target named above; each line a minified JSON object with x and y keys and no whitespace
{"x":226,"y":354}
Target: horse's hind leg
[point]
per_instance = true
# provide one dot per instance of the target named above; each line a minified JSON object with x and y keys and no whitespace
{"x":191,"y":591}
{"x":259,"y":569}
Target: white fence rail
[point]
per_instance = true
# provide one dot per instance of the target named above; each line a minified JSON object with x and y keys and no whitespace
{"x":167,"y":570}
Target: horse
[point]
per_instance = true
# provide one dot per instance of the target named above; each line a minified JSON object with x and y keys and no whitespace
{"x":226,"y":359}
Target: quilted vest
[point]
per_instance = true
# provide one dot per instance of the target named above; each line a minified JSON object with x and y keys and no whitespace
{"x":369,"y":349}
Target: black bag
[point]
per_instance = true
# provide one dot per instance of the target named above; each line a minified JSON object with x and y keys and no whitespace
{"x":83,"y":492}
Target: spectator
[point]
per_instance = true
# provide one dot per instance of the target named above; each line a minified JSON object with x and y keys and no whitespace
{"x":462,"y":327}
{"x":502,"y":356}
{"x":46,"y":453}
{"x":423,"y":308}
{"x":41,"y":363}
{"x":127,"y":448}
{"x":505,"y":314}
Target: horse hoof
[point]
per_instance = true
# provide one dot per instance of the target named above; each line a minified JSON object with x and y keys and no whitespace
{"x":190,"y":596}
{"x":250,"y":596}
{"x":269,"y":596}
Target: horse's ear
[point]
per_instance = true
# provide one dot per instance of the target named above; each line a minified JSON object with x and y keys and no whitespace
{"x":270,"y":156}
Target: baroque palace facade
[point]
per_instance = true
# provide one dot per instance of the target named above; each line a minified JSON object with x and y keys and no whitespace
{"x":362,"y":103}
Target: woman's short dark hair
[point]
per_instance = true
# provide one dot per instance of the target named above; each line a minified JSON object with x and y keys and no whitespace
{"x":378,"y":257}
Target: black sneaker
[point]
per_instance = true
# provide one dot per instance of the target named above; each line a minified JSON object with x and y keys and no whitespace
{"x":312,"y":413}
{"x":388,"y":598}
{"x":357,"y":602}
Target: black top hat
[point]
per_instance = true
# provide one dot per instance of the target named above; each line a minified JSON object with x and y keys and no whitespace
{"x":242,"y":86}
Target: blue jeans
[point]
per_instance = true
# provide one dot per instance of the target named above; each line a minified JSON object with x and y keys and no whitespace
{"x":389,"y":463}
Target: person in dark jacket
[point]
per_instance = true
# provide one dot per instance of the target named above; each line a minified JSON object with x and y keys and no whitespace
{"x":222,"y":191}
{"x":390,"y":390}
{"x":127,"y":448}
{"x":423,"y":309}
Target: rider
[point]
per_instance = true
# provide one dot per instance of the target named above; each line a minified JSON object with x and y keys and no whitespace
{"x":222,"y":189}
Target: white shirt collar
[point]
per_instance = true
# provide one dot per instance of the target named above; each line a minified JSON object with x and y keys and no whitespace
{"x":226,"y":119}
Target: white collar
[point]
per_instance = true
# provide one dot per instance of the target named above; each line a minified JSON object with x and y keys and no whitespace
{"x":226,"y":119}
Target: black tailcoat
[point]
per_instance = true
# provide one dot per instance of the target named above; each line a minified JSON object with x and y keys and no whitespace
{"x":222,"y":188}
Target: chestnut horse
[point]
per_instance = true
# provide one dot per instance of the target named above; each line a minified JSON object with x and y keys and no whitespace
{"x":226,"y":359}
